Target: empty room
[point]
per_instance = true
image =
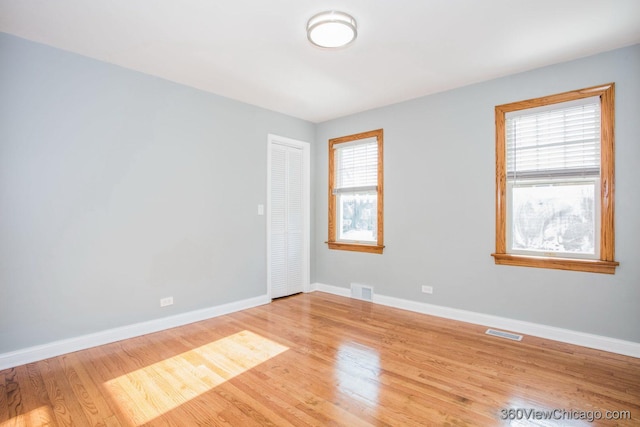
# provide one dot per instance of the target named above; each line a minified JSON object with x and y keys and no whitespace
{"x":303,"y":213}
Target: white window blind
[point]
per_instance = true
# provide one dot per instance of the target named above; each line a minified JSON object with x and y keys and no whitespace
{"x":356,"y":166}
{"x":554,"y":141}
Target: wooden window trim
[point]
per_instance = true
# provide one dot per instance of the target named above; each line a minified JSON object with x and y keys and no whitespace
{"x":606,"y":263}
{"x":348,"y":246}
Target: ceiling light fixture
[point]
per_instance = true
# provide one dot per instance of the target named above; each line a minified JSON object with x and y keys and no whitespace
{"x":331,"y":29}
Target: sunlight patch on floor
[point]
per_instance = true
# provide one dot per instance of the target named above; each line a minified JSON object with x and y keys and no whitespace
{"x":151,"y":391}
{"x":37,"y":417}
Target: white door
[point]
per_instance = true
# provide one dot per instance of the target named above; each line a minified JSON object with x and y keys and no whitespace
{"x":288,"y":217}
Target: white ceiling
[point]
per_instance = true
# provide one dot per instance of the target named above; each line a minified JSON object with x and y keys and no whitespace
{"x":256,"y":51}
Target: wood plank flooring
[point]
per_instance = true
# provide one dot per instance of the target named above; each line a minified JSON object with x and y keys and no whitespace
{"x":319,"y":359}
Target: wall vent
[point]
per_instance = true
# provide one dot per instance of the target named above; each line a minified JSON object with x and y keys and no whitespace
{"x":502,"y":334}
{"x":362,"y":292}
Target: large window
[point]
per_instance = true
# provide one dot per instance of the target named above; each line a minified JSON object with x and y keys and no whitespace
{"x":554,"y":181}
{"x":355,"y":192}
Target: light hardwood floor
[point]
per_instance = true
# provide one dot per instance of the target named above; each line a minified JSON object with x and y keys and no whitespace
{"x":320,"y":359}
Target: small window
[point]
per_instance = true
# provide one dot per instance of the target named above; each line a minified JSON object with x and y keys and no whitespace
{"x":355,"y":192}
{"x":554,"y":182}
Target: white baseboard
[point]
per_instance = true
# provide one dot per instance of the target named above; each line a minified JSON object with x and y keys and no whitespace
{"x":44,"y":351}
{"x":335,"y":290}
{"x":56,"y":348}
{"x":614,"y":345}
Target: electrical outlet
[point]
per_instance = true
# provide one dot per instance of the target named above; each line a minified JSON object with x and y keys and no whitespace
{"x":166,"y":301}
{"x":427,"y":289}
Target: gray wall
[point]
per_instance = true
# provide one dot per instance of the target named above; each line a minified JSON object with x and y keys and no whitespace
{"x":440,"y":204}
{"x":117,"y":189}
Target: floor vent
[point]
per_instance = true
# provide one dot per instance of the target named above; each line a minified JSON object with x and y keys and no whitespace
{"x":362,"y":292}
{"x":502,"y":334}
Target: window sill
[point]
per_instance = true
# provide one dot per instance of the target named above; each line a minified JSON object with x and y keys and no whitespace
{"x":588,"y":265}
{"x":355,"y":247}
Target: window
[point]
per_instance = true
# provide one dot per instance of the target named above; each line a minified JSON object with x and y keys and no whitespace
{"x":355,"y":192}
{"x":554,"y":181}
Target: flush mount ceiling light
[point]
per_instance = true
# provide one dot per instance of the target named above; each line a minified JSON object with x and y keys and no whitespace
{"x":331,"y":29}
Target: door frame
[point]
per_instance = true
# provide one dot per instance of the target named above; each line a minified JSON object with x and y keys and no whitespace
{"x":306,"y":205}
